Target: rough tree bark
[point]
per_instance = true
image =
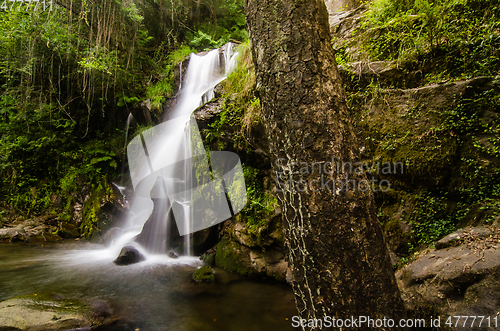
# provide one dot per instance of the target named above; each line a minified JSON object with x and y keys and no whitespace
{"x":338,"y":256}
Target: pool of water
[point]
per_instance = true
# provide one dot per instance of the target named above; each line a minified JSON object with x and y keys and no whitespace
{"x":157,"y":294}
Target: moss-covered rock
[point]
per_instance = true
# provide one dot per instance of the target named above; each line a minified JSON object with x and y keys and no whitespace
{"x":204,"y":274}
{"x":252,"y":262}
{"x":233,"y":257}
{"x":101,"y":211}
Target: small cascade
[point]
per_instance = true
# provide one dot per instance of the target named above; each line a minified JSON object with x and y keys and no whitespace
{"x":180,"y":76}
{"x":230,"y":58}
{"x":202,"y":75}
{"x":127,"y":127}
{"x":165,"y":163}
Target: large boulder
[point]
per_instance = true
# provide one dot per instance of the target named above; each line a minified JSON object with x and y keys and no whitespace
{"x":40,"y":313}
{"x":462,"y":278}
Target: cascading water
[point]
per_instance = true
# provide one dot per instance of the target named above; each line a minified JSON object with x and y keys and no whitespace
{"x":165,"y":160}
{"x":229,"y":58}
{"x":127,"y":127}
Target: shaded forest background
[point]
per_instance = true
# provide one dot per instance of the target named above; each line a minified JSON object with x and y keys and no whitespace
{"x":69,"y":78}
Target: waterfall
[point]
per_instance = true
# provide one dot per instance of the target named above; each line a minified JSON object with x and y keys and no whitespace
{"x":230,"y":57}
{"x":180,"y":76}
{"x":127,"y":127}
{"x":166,"y":162}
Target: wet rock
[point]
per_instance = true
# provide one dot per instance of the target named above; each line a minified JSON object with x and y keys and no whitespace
{"x":341,"y":5}
{"x":253,"y":262}
{"x":245,"y":237}
{"x":8,"y":234}
{"x":34,"y":230}
{"x":204,"y":274}
{"x":454,"y":264}
{"x":100,"y":308}
{"x":111,"y":234}
{"x":129,"y":255}
{"x":78,"y":213}
{"x":172,"y":255}
{"x":206,"y":114}
{"x":204,"y":239}
{"x":154,"y":233}
{"x":43,"y":314}
{"x":386,"y":73}
{"x":68,"y":230}
{"x":108,"y":216}
{"x":344,"y":21}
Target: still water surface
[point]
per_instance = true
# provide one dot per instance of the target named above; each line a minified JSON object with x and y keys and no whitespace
{"x":157,"y":294}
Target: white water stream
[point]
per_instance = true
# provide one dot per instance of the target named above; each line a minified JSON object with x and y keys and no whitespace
{"x":165,"y":159}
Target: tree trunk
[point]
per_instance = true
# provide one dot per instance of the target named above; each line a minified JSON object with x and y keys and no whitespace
{"x":339,"y":260}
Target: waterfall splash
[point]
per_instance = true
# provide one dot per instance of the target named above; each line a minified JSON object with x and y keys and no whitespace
{"x":168,"y":162}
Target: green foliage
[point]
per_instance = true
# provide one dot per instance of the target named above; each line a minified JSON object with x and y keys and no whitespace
{"x":100,"y":60}
{"x":261,"y":204}
{"x":203,"y":41}
{"x":179,"y":55}
{"x":468,"y":116}
{"x":241,"y":109}
{"x":228,"y":23}
{"x":454,"y":146}
{"x":157,"y":92}
{"x":68,"y":79}
{"x":430,"y":219}
{"x":460,"y":38}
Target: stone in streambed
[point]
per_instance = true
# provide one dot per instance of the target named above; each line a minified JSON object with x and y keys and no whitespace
{"x":129,"y":255}
{"x":172,"y":255}
{"x":204,"y":274}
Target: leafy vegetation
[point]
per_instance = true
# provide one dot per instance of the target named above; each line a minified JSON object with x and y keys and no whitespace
{"x":450,"y":38}
{"x":261,"y":204}
{"x":453,"y":145}
{"x":430,"y":218}
{"x":69,"y":78}
{"x":241,"y":108}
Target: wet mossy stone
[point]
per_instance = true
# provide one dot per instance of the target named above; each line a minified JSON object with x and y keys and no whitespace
{"x":234,"y":257}
{"x":204,"y":274}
